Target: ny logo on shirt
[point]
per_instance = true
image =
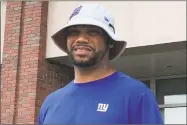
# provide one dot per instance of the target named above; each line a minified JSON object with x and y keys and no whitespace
{"x":102,"y":107}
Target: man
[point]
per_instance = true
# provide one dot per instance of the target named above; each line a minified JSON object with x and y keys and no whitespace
{"x":99,"y":94}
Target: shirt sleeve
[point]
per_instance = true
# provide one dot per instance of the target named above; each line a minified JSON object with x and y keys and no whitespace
{"x":144,"y":109}
{"x":40,"y":117}
{"x":43,"y":112}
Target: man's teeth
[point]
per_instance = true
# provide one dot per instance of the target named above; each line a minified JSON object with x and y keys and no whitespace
{"x":82,"y":49}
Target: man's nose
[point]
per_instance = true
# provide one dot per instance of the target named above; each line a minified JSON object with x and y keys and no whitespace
{"x":82,"y":37}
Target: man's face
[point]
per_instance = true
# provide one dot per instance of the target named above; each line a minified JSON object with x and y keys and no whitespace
{"x":85,"y":45}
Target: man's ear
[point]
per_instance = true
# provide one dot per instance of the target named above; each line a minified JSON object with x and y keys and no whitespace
{"x":111,"y":45}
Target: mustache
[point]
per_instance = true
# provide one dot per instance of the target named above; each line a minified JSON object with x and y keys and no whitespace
{"x":83,"y":45}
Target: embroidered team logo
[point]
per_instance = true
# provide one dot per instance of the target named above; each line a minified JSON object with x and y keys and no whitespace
{"x":102,"y":107}
{"x":106,"y":19}
{"x":75,"y":12}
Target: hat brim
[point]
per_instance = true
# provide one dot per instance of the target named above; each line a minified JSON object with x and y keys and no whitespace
{"x":59,"y":37}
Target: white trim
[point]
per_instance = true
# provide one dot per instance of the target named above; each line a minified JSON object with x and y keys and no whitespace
{"x":173,"y":105}
{"x":3,"y":18}
{"x":163,"y":77}
{"x":172,"y":76}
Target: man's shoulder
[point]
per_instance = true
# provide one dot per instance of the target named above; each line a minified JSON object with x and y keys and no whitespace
{"x":55,"y":95}
{"x":129,"y":83}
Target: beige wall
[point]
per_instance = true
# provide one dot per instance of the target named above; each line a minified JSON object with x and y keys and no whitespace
{"x":139,"y":23}
{"x":3,"y":14}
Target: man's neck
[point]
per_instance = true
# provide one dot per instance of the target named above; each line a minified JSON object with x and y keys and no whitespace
{"x":83,"y":75}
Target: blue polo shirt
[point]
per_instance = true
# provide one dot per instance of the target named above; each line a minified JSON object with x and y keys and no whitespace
{"x":115,"y":99}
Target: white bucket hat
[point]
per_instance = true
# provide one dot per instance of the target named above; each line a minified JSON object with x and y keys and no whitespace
{"x":92,"y":14}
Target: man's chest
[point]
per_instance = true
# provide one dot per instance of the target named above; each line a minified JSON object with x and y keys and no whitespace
{"x":86,"y":109}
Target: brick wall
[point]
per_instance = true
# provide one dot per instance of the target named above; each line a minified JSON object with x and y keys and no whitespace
{"x":27,"y":78}
{"x":10,"y":61}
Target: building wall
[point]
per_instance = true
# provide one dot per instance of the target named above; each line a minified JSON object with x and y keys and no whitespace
{"x":140,"y":23}
{"x":27,"y":77}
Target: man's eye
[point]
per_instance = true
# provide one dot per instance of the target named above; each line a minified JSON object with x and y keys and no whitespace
{"x":73,"y":32}
{"x":93,"y":32}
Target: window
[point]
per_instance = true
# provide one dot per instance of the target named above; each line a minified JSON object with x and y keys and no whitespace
{"x":171,"y":97}
{"x":174,"y":114}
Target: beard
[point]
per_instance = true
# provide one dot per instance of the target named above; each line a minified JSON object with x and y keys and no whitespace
{"x":88,"y":61}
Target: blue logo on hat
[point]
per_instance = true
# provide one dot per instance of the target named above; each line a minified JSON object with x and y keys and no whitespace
{"x":75,"y":12}
{"x":106,"y":19}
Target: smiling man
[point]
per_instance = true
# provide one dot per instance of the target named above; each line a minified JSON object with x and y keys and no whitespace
{"x":86,"y":52}
{"x":98,"y":94}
